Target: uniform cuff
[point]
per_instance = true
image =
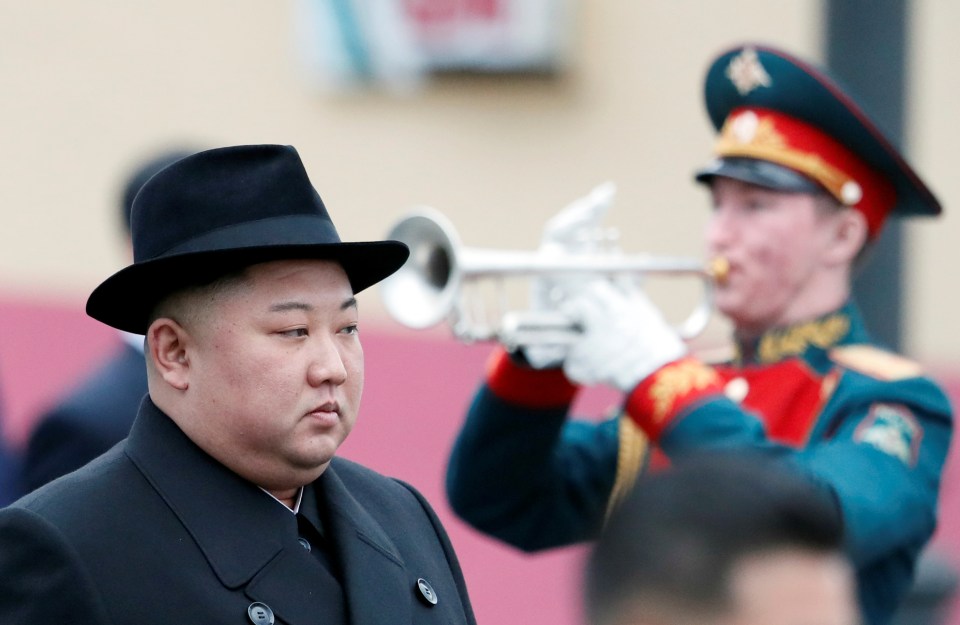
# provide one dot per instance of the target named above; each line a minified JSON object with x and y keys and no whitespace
{"x":657,"y":401}
{"x":525,"y":386}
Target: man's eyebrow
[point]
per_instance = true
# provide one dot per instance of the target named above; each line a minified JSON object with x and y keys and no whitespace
{"x":285,"y":306}
{"x":350,"y":302}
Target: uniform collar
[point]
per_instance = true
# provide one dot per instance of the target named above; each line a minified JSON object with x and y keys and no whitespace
{"x":809,"y":340}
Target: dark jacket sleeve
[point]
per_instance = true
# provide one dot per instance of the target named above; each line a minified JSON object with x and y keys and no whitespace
{"x":531,"y":477}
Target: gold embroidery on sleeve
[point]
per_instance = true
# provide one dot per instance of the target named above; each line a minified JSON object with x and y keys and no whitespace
{"x":676,"y":381}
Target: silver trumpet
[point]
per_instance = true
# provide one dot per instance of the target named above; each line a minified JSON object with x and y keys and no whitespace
{"x":430,"y":287}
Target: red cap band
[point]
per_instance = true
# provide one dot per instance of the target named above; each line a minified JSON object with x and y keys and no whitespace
{"x":763,"y":134}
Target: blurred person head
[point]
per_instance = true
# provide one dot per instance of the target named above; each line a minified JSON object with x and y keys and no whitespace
{"x":143,"y":170}
{"x":802,"y":181}
{"x":722,"y":540}
{"x":245,"y":293}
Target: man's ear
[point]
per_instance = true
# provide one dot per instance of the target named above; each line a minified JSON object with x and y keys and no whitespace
{"x":848,"y":237}
{"x":167,"y":343}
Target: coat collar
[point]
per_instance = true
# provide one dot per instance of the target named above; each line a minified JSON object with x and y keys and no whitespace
{"x":250,"y":540}
{"x":809,"y":340}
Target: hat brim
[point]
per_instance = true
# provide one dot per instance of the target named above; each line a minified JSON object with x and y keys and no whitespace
{"x":761,"y":173}
{"x":126,"y":299}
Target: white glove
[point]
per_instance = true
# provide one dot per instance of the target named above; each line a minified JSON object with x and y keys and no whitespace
{"x":625,"y":338}
{"x":574,"y":230}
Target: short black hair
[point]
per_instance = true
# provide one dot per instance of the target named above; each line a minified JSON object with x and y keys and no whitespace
{"x":679,"y":533}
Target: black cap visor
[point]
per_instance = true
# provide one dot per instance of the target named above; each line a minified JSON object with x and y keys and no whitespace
{"x":761,"y":173}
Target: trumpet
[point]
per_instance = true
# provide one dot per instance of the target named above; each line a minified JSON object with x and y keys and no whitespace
{"x":430,"y":287}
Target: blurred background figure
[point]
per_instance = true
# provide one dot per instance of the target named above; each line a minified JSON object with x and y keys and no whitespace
{"x":8,"y":468}
{"x":99,"y":411}
{"x":722,"y":540}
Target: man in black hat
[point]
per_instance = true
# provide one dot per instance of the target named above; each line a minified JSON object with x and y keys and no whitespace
{"x":800,"y":185}
{"x":226,"y":503}
{"x":98,"y":412}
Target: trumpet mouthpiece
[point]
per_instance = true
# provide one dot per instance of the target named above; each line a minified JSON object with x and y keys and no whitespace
{"x":719,"y":269}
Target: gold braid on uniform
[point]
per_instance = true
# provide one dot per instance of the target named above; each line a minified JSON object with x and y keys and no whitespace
{"x":631,"y":458}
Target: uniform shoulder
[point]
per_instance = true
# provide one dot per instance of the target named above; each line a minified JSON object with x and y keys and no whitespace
{"x":875,"y":362}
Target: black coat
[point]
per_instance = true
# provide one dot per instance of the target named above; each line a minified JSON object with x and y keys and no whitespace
{"x":157,"y":532}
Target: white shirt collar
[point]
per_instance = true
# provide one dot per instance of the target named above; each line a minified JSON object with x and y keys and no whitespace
{"x":133,"y":340}
{"x":296,"y":504}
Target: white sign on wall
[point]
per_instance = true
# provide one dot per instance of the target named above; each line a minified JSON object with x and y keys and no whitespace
{"x":399,"y":43}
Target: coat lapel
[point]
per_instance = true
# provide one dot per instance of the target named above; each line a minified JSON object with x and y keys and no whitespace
{"x":374,"y":575}
{"x":236,"y":525}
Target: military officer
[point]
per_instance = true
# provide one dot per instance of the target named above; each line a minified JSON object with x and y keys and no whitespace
{"x":801,"y":184}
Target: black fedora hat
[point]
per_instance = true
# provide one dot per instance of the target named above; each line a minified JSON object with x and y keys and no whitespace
{"x":218,"y":211}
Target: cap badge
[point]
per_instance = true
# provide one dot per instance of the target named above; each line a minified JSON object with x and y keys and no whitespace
{"x":746,"y":73}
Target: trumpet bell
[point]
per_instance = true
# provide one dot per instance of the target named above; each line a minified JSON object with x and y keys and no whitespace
{"x":422,"y":293}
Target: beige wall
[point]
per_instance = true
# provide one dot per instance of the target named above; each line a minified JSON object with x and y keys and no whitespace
{"x":88,"y":87}
{"x":932,"y":298}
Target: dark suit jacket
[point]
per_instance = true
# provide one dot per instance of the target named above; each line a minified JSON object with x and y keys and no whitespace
{"x":157,"y":532}
{"x":89,"y":421}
